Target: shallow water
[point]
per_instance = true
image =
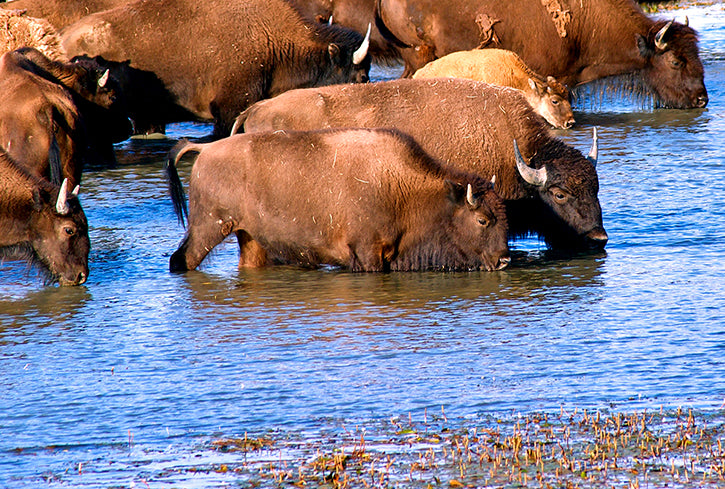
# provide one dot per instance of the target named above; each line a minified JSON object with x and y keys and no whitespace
{"x":129,"y":374}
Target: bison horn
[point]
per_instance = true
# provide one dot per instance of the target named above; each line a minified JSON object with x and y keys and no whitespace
{"x":659,"y":44}
{"x":76,"y":191}
{"x":594,"y":152}
{"x":469,"y":196}
{"x":530,"y":175}
{"x":329,"y":21}
{"x":103,"y":79}
{"x":687,"y":21}
{"x":493,"y":181}
{"x":61,"y":205}
{"x":359,"y":55}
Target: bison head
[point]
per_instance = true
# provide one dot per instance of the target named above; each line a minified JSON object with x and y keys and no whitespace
{"x":480,"y":227}
{"x":567,"y":186}
{"x":553,"y":102}
{"x":673,"y":70}
{"x":349,"y":61}
{"x":59,"y":235}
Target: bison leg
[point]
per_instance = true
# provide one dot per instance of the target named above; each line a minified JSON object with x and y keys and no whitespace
{"x":251,"y":253}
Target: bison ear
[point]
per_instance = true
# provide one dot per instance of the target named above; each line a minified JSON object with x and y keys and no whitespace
{"x":534,"y":86}
{"x":41,"y":198}
{"x":334,"y":51}
{"x":645,"y":50}
{"x":456,"y":191}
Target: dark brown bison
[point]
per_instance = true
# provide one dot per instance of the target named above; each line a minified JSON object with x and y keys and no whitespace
{"x":575,"y":41}
{"x":216,"y":58}
{"x":364,"y":199}
{"x":353,"y":14}
{"x":61,"y":13}
{"x":54,"y":116}
{"x":43,"y":223}
{"x":473,"y":126}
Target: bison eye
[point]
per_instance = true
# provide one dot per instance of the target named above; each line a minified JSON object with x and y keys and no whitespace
{"x":483,"y":221}
{"x":554,"y":101}
{"x":560,"y":197}
{"x":69,"y":231}
{"x":677,"y":63}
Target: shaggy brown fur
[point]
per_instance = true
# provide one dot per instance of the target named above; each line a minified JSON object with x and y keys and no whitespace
{"x":17,"y":29}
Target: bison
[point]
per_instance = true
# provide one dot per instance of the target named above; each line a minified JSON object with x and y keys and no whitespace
{"x":61,"y":13}
{"x":575,"y":41}
{"x":216,"y":58}
{"x":54,"y":114}
{"x":43,"y":223}
{"x":364,"y":199}
{"x":473,"y":126}
{"x":549,"y":98}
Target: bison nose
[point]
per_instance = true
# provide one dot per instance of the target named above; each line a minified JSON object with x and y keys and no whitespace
{"x":569,"y":124}
{"x":702,"y":101}
{"x":597,"y":238}
{"x":82,"y":277}
{"x":503,"y":262}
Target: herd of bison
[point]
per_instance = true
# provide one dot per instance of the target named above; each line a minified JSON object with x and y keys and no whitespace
{"x":309,"y":163}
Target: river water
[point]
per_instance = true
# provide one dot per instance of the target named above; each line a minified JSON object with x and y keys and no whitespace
{"x":115,"y":382}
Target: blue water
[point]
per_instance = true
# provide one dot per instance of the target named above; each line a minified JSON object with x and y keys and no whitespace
{"x":123,"y":379}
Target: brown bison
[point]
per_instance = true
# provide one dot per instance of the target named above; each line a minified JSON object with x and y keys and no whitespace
{"x":54,"y":115}
{"x":549,"y":98}
{"x":42,"y":222}
{"x":473,"y":126}
{"x":17,"y":30}
{"x":364,"y":199}
{"x":216,"y":58}
{"x":575,"y":41}
{"x":61,"y":13}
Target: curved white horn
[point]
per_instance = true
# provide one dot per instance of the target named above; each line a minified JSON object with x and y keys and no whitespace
{"x":359,"y":55}
{"x":493,"y":181}
{"x":61,"y":205}
{"x":469,"y":196}
{"x":76,"y":190}
{"x":659,"y":44}
{"x":329,"y":21}
{"x":530,"y":175}
{"x":103,"y":79}
{"x":594,"y":152}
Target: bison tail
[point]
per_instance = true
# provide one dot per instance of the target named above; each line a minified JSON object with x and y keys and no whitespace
{"x":176,"y":189}
{"x":383,"y":29}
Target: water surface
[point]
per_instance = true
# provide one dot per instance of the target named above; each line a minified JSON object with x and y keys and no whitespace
{"x":131,"y":373}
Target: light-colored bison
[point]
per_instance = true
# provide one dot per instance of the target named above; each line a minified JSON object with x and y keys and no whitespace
{"x":17,"y":30}
{"x":363,"y":199}
{"x":549,"y":98}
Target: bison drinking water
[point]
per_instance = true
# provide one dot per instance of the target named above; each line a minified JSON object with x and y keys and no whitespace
{"x":576,"y":41}
{"x":215,"y":58}
{"x":367,"y":200}
{"x":549,"y":98}
{"x":472,"y":126}
{"x":42,"y":222}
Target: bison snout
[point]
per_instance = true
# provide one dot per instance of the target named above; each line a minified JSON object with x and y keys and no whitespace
{"x":597,"y":238}
{"x":702,"y":101}
{"x":569,"y":124}
{"x":78,"y":280}
{"x":503,"y":262}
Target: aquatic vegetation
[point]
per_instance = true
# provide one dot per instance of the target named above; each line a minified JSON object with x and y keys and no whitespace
{"x":566,"y":449}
